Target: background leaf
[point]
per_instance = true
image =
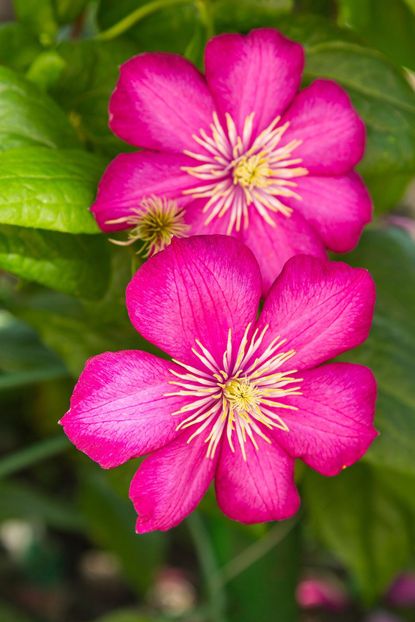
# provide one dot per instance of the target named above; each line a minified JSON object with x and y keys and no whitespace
{"x":49,"y":189}
{"x":389,"y":254}
{"x":363,"y":523}
{"x":72,"y":264}
{"x":85,"y":85}
{"x":388,"y":26}
{"x":29,"y":117}
{"x":18,"y":46}
{"x":378,"y":89}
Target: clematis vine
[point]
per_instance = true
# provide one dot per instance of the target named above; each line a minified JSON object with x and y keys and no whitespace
{"x":243,"y":395}
{"x":239,"y":151}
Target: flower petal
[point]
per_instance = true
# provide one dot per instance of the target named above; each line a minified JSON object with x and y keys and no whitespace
{"x":333,"y":425}
{"x":257,"y":73}
{"x":258,"y":489}
{"x":198,"y":288}
{"x":131,"y":177}
{"x":195,"y":217}
{"x":273,"y":246}
{"x":170,"y":483}
{"x":321,"y":308}
{"x":337,"y":207}
{"x":332,"y":134}
{"x":119,"y":409}
{"x":160,"y":100}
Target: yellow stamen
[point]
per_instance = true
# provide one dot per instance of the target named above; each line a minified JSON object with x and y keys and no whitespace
{"x":154,"y":223}
{"x":239,"y":396}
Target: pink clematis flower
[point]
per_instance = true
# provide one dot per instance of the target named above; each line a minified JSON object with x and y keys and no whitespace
{"x":239,"y":151}
{"x":243,"y":396}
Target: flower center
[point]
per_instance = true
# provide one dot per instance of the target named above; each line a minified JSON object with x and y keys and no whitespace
{"x":250,"y":171}
{"x":154,"y":223}
{"x":239,"y":397}
{"x":241,"y":394}
{"x":240,"y":173}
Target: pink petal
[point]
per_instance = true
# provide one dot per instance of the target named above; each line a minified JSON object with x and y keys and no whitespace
{"x":119,"y":409}
{"x":332,"y":134}
{"x":132,"y":177}
{"x":258,"y":489}
{"x":170,"y":483}
{"x":198,"y":288}
{"x":337,"y":207}
{"x":321,"y":308}
{"x":160,"y":100}
{"x":273,"y":246}
{"x":259,"y":72}
{"x":332,"y":427}
{"x":195,"y":217}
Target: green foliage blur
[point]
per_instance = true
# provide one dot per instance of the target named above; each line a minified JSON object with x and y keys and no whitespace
{"x":68,"y":552}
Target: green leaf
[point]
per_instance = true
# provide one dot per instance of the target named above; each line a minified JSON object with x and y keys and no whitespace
{"x":111,"y":524}
{"x":378,"y":89}
{"x":72,"y":264}
{"x":67,"y":10}
{"x":46,"y":69}
{"x":23,"y":358}
{"x":242,"y":15}
{"x":169,"y":29}
{"x":389,"y":254}
{"x":48,"y":188}
{"x":18,"y":46}
{"x":39,"y":16}
{"x":77,"y":331}
{"x":363,"y":523}
{"x":85,"y":86}
{"x":388,"y":26}
{"x":30,"y":117}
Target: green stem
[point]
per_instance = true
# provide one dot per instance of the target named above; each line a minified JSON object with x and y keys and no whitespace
{"x":208,"y":566}
{"x":36,"y":453}
{"x":253,"y":553}
{"x":127,"y":22}
{"x":205,"y":11}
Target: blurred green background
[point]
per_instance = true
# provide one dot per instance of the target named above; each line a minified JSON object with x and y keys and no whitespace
{"x":68,"y":552}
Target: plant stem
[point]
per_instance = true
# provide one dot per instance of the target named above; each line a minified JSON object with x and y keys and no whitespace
{"x":253,"y":553}
{"x":127,"y":22}
{"x":209,"y":567}
{"x":36,"y":453}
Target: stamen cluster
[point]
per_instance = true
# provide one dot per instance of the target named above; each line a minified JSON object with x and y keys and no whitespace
{"x":237,"y":396}
{"x":239,"y":171}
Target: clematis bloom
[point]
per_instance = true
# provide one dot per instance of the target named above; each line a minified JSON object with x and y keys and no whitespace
{"x":240,"y":151}
{"x":243,"y":396}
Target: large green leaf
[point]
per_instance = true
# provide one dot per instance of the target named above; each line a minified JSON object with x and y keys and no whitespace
{"x":363,"y":522}
{"x":18,"y":46}
{"x":85,"y":86}
{"x":388,"y":26}
{"x":378,"y":89}
{"x":48,"y":188}
{"x":72,"y":264}
{"x":29,"y":117}
{"x":390,"y":349}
